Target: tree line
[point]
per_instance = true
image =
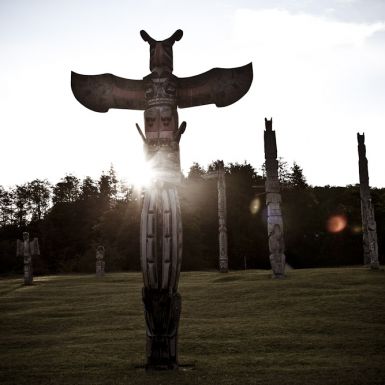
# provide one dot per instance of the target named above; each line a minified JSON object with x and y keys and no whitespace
{"x":74,"y":216}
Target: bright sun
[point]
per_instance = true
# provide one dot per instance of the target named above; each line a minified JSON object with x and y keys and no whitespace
{"x":142,"y":175}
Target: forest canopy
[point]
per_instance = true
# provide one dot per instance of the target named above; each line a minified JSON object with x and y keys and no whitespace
{"x":74,"y":216}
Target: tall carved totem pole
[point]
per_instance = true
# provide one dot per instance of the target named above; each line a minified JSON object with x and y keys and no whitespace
{"x":100,"y":263}
{"x":159,"y":94}
{"x":222,"y":214}
{"x":273,"y":202}
{"x":28,"y":249}
{"x":369,"y":228}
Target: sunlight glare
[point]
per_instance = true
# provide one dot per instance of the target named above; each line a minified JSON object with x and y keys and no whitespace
{"x":142,"y":175}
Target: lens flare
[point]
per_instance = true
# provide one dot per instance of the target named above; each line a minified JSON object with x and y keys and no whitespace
{"x":255,"y":205}
{"x":357,"y":229}
{"x":336,"y":223}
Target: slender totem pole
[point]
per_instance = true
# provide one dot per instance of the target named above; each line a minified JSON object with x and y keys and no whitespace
{"x":28,"y":249}
{"x":100,"y":263}
{"x":273,"y":202}
{"x":222,"y":213}
{"x":159,"y":94}
{"x":369,"y":227}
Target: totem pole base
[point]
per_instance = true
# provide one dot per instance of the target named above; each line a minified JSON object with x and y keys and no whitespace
{"x":223,"y":263}
{"x":100,"y":269}
{"x":162,"y":312}
{"x":277,"y":262}
{"x":278,"y":276}
{"x":28,"y":276}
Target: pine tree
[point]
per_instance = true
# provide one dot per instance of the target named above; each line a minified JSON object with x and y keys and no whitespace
{"x":296,"y":178}
{"x":196,"y":171}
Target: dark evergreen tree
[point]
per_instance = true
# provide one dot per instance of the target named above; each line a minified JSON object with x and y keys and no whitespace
{"x":21,"y":202}
{"x":88,"y":189}
{"x":39,"y":193}
{"x":246,"y":227}
{"x":296,"y":177}
{"x":67,"y":190}
{"x":198,"y":203}
{"x":196,"y":171}
{"x":108,"y":188}
{"x":6,"y":209}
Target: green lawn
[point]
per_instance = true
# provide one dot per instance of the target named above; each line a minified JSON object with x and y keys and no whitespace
{"x":318,"y":326}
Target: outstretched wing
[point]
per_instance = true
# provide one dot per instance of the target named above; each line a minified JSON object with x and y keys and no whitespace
{"x":222,"y":86}
{"x":102,"y":92}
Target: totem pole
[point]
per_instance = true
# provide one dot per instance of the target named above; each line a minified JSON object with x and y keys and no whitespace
{"x":273,"y":202}
{"x":221,"y":185}
{"x":100,"y":264}
{"x":159,"y":94}
{"x":27,"y":249}
{"x":369,"y":227}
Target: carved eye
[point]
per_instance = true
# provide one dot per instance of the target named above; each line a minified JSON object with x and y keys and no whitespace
{"x":149,"y":92}
{"x":166,"y":120}
{"x":150,"y":121}
{"x":170,"y":89}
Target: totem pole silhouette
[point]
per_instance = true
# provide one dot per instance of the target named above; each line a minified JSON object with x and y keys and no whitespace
{"x":369,"y":227}
{"x":159,"y":94}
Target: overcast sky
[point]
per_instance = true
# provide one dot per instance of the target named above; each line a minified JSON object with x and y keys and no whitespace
{"x":319,"y":71}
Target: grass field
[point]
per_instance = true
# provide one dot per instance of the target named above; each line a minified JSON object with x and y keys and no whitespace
{"x":318,"y":326}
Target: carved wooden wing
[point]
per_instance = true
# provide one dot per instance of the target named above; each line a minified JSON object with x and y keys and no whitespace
{"x":221,"y":86}
{"x":102,"y":92}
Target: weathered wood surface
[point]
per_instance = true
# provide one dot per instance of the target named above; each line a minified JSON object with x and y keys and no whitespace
{"x":369,"y":228}
{"x":219,"y":175}
{"x":159,"y":94}
{"x":100,"y":262}
{"x":222,"y":219}
{"x":161,"y":239}
{"x":28,"y":249}
{"x":273,"y":202}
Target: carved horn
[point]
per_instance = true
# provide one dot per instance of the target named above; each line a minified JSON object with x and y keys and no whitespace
{"x":176,"y":36}
{"x":147,"y":37}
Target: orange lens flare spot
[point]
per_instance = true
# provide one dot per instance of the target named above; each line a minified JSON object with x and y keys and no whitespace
{"x":255,"y":205}
{"x":336,"y":223}
{"x":357,"y":229}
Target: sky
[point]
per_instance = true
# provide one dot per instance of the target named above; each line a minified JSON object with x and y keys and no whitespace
{"x":319,"y":72}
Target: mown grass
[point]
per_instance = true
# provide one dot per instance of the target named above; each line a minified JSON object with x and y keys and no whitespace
{"x":318,"y":326}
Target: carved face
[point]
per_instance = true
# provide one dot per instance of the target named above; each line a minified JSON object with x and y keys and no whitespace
{"x":161,"y":56}
{"x":150,"y":119}
{"x":165,"y":117}
{"x":161,"y":91}
{"x":160,"y":122}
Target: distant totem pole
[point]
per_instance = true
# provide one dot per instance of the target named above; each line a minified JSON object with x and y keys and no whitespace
{"x":27,"y":249}
{"x":369,"y":228}
{"x":159,"y":94}
{"x":222,"y":213}
{"x":273,"y":202}
{"x":100,"y":263}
